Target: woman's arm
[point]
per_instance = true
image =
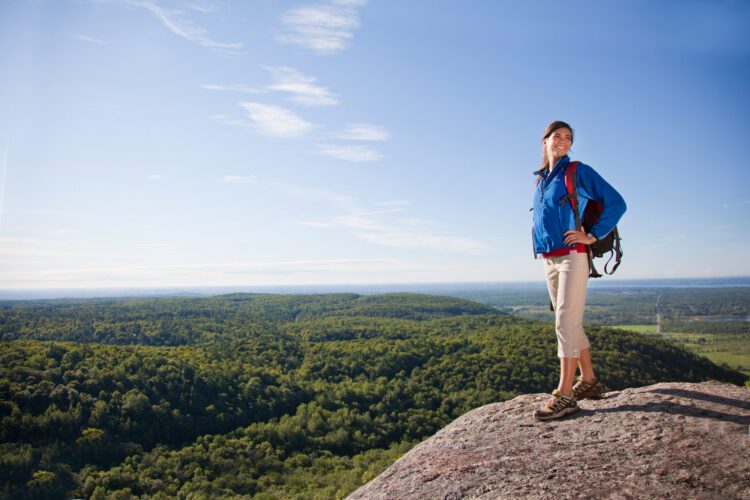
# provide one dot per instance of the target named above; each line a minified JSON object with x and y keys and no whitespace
{"x":594,"y":187}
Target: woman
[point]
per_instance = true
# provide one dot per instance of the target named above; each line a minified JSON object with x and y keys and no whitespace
{"x":563,"y":250}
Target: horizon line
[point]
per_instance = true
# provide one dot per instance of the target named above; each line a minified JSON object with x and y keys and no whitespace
{"x":210,"y":290}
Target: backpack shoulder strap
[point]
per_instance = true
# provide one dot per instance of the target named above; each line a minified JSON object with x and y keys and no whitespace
{"x":571,"y":186}
{"x":571,"y":183}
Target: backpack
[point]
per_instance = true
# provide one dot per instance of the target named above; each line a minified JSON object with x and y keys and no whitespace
{"x":610,"y":243}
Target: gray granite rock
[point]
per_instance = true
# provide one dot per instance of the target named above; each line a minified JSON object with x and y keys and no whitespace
{"x":669,"y":440}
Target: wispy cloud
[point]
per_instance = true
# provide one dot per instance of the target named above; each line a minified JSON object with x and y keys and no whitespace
{"x":323,"y":28}
{"x":313,"y":223}
{"x":176,"y":21}
{"x":363,"y":132}
{"x":90,"y":39}
{"x":37,"y":211}
{"x":368,"y":219}
{"x":239,"y":179}
{"x":203,"y":7}
{"x":276,"y":121}
{"x":154,"y":177}
{"x":394,"y":203}
{"x":318,"y":195}
{"x":302,"y":87}
{"x":235,"y":87}
{"x":356,"y":153}
{"x":293,"y":272}
{"x":230,"y":121}
{"x":386,"y":226}
{"x":349,"y":153}
{"x":57,"y":247}
{"x":3,"y":184}
{"x":359,"y":221}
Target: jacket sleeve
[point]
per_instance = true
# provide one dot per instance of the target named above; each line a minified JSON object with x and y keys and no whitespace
{"x":591,"y":185}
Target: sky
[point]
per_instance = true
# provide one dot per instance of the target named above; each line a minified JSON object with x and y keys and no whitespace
{"x":179,"y":143}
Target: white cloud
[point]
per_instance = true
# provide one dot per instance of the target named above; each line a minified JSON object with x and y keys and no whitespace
{"x":230,"y":121}
{"x":57,"y":247}
{"x":322,"y":28}
{"x":380,"y":227}
{"x":203,"y":7}
{"x":366,"y":219}
{"x":319,"y":195}
{"x":350,"y":3}
{"x":235,"y":87}
{"x":394,"y":203}
{"x":175,"y":20}
{"x":313,"y":223}
{"x":349,"y":153}
{"x":359,"y":221}
{"x":239,"y":179}
{"x":36,"y":211}
{"x":293,"y":272}
{"x":89,"y":39}
{"x":363,"y":132}
{"x":301,"y":86}
{"x":276,"y":121}
{"x":153,"y":177}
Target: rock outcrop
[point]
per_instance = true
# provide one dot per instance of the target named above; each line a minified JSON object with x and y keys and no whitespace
{"x":669,"y":440}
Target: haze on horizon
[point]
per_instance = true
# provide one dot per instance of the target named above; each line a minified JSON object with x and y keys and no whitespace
{"x":170,"y":143}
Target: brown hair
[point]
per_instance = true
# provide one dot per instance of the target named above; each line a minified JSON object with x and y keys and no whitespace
{"x":557,"y":124}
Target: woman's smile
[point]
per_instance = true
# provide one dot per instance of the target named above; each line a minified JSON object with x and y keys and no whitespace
{"x":558,"y":144}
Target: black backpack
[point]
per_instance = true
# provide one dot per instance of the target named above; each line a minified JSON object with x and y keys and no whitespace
{"x":610,"y":244}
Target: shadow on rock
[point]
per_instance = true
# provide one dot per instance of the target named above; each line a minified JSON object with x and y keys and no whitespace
{"x":712,"y":398}
{"x":665,"y":407}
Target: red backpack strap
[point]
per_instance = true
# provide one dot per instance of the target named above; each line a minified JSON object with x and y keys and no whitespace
{"x":571,"y":184}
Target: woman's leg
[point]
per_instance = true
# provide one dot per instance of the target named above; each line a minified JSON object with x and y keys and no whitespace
{"x":567,"y":279}
{"x":567,"y":375}
{"x":584,"y":363}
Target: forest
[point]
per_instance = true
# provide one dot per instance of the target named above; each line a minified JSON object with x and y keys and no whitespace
{"x":267,"y":396}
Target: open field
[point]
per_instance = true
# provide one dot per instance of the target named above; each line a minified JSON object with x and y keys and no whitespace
{"x":709,"y":321}
{"x":732,"y":349}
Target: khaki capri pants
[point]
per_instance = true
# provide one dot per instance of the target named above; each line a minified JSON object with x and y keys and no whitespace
{"x":567,"y":278}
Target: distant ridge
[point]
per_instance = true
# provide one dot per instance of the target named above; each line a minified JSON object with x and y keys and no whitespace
{"x":365,"y":289}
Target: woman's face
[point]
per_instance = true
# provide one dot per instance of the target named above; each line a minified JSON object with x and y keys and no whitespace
{"x":558,"y":143}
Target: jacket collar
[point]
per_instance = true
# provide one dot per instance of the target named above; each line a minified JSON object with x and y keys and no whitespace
{"x":561,"y":163}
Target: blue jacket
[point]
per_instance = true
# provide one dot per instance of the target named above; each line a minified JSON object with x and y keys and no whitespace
{"x":552,"y":218}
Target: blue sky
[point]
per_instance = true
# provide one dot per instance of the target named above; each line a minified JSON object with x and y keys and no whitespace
{"x":161,"y":143}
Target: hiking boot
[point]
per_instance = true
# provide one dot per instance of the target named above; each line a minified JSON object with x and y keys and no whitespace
{"x":557,"y":407}
{"x":587,"y":390}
